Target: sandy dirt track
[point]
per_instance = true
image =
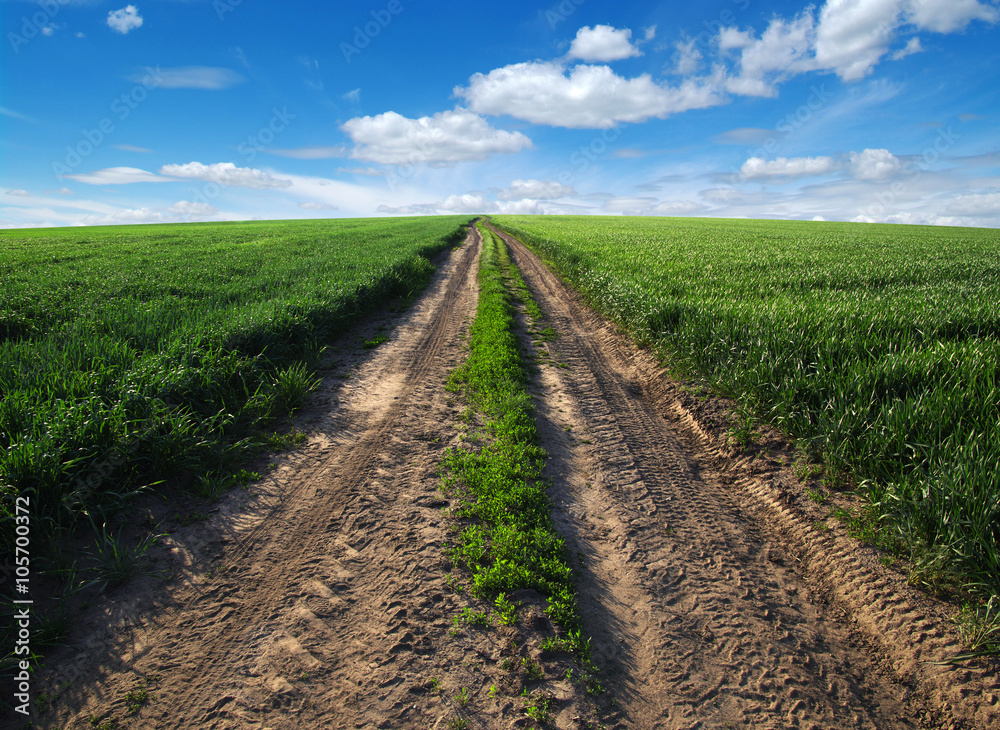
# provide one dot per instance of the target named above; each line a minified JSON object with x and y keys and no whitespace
{"x":322,"y":599}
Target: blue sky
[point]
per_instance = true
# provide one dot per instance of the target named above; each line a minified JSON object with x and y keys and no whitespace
{"x":163,"y":111}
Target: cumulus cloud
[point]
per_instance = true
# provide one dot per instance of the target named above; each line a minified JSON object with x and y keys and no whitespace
{"x":124,"y":20}
{"x":537,"y":189}
{"x":588,"y":97}
{"x":19,"y":192}
{"x":853,"y":35}
{"x":445,"y":138}
{"x":477,"y":202}
{"x":912,"y":46}
{"x":846,"y":37}
{"x":225,"y":173}
{"x":603,"y":43}
{"x":782,"y":51}
{"x":185,"y":207}
{"x":949,"y":16}
{"x":116,"y":176}
{"x":466,"y":203}
{"x":875,"y":164}
{"x":758,"y":167}
{"x":687,"y":58}
{"x":975,"y":204}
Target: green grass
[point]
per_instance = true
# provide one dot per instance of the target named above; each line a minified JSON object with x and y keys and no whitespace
{"x":132,"y":354}
{"x":507,"y":539}
{"x":877,"y":346}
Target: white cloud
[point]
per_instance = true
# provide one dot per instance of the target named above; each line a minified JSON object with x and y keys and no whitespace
{"x":445,"y":138}
{"x":313,"y":205}
{"x":912,"y":46}
{"x":677,"y":207}
{"x":124,"y":217}
{"x":116,"y":176}
{"x":225,"y":173}
{"x":758,"y":167}
{"x":48,"y":30}
{"x":975,"y":204}
{"x":781,"y":51}
{"x":354,"y":199}
{"x":478,"y":202}
{"x":366,"y":171}
{"x":603,"y":43}
{"x":466,"y":203}
{"x":590,"y":97}
{"x":687,"y":58}
{"x":847,"y":37}
{"x":205,"y":78}
{"x":853,"y":35}
{"x":628,"y":205}
{"x":20,"y":193}
{"x":124,"y":20}
{"x":949,"y":16}
{"x":60,"y":191}
{"x":875,"y":164}
{"x":537,"y":189}
{"x":310,"y":153}
{"x":184,"y":207}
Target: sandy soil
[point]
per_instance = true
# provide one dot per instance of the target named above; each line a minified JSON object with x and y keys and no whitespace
{"x":324,"y":597}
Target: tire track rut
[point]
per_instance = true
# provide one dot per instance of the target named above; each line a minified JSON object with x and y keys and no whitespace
{"x":325,"y":488}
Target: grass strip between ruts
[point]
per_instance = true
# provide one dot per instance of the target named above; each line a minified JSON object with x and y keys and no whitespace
{"x":508,"y":540}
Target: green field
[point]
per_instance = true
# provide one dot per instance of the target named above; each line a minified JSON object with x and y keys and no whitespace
{"x":132,"y":354}
{"x":877,"y":346}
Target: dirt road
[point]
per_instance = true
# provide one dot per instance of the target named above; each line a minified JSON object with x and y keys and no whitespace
{"x":325,"y":598}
